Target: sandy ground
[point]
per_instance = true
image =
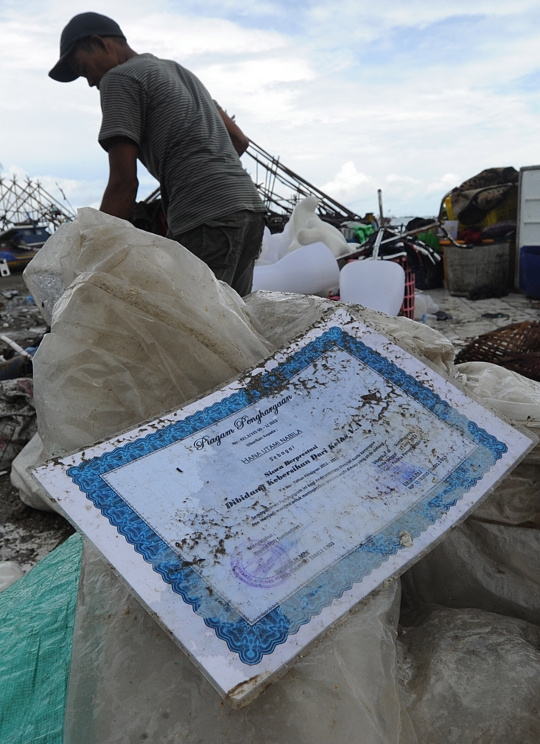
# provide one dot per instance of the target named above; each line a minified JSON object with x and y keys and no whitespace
{"x":27,"y":535}
{"x":471,"y":319}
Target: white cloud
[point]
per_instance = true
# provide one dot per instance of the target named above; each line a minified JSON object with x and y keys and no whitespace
{"x":345,"y":184}
{"x":179,"y":36}
{"x":444,"y":183}
{"x":395,"y":178}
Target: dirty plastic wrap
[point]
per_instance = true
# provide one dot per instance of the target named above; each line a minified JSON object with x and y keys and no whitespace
{"x":517,"y":499}
{"x":471,"y":676}
{"x":491,"y":561}
{"x":143,"y":328}
{"x":31,"y":492}
{"x":280,"y":317}
{"x":515,"y":396}
{"x":52,"y":270}
{"x":129,"y":682}
{"x":492,"y":567}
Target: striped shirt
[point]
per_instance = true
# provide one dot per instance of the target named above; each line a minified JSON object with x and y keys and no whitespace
{"x":182,"y":140}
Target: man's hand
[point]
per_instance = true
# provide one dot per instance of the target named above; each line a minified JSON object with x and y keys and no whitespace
{"x":121,"y":192}
{"x":238,"y":138}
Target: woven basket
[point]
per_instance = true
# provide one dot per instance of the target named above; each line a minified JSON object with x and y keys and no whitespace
{"x":515,"y":347}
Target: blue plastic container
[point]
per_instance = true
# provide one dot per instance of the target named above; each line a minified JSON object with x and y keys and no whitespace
{"x":529,"y":270}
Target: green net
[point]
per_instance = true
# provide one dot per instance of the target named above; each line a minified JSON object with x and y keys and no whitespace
{"x":36,"y":633}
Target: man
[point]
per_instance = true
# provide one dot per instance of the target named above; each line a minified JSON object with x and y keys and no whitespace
{"x":158,"y":112}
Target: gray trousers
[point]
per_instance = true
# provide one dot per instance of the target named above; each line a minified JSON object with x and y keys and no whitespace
{"x":229,"y":246}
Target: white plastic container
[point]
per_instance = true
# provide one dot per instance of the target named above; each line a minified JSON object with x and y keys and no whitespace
{"x":310,"y":270}
{"x":379,"y":285}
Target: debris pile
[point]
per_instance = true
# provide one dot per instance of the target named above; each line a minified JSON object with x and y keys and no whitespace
{"x":140,"y":326}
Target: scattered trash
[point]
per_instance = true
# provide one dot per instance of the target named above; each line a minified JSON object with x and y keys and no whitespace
{"x":17,"y":417}
{"x":357,"y":232}
{"x":442,"y":315}
{"x":495,"y":315}
{"x":466,"y":662}
{"x":15,"y":346}
{"x":424,"y":307}
{"x":480,"y":196}
{"x":17,"y":366}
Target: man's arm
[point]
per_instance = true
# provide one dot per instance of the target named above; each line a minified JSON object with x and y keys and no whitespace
{"x":238,"y":138}
{"x":121,"y":192}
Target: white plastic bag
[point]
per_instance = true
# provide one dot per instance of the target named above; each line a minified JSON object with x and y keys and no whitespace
{"x":144,"y":327}
{"x":515,"y":396}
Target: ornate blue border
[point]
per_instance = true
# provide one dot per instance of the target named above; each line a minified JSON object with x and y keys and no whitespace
{"x":252,"y":642}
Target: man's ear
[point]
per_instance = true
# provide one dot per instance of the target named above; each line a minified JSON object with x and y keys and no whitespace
{"x":99,"y":42}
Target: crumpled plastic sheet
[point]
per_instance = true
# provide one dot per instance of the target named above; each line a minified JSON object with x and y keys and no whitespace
{"x":517,"y":499}
{"x":491,"y":561}
{"x":513,"y":395}
{"x":280,"y":317}
{"x":493,"y":567}
{"x":52,"y":269}
{"x":471,"y":676}
{"x":129,"y":682}
{"x":143,"y":327}
{"x":31,"y":492}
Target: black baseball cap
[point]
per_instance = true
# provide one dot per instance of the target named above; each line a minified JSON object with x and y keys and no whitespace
{"x":81,"y":27}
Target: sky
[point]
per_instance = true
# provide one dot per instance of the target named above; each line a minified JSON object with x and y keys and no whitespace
{"x":408,"y":97}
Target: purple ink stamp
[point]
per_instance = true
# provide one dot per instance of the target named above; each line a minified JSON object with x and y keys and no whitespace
{"x":263,"y":564}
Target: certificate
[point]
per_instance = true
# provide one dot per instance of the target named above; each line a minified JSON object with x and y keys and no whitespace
{"x":251,"y":520}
